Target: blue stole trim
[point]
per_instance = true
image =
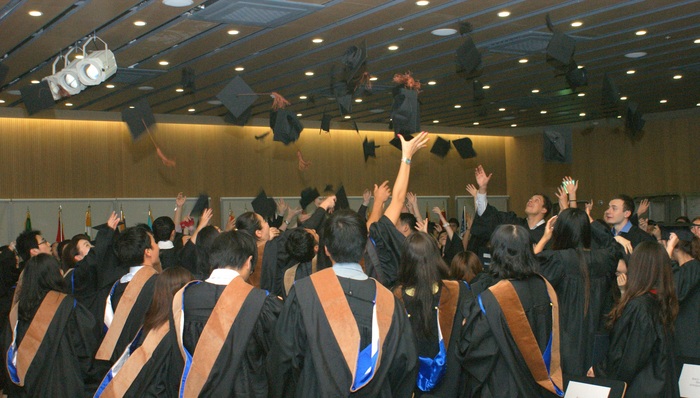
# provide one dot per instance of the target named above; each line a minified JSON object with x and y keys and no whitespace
{"x":467,"y":285}
{"x":432,"y":370}
{"x":372,"y":240}
{"x":118,"y":365}
{"x":367,"y":358}
{"x":188,"y":359}
{"x":11,"y":368}
{"x":481,"y":304}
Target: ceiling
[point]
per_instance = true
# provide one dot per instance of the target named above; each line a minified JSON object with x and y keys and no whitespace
{"x":276,"y":54}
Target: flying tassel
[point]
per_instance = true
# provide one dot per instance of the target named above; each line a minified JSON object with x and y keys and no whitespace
{"x":278,"y":102}
{"x":303,"y":164}
{"x":167,"y":162}
{"x":407,"y":80}
{"x":364,"y":81}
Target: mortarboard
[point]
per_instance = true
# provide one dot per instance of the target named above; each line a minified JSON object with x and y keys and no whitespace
{"x":326,"y":122}
{"x":465,"y":28}
{"x":560,"y":50}
{"x":138,"y":118}
{"x":354,"y":60}
{"x":682,"y":230}
{"x":405,"y":111}
{"x":557,"y":145}
{"x":611,"y":94}
{"x":264,"y":206}
{"x":328,"y":189}
{"x":354,"y":125}
{"x":37,"y":97}
{"x":199,"y":206}
{"x":343,"y":97}
{"x":368,"y":148}
{"x":479,"y":92}
{"x":441,"y":147}
{"x":240,"y":120}
{"x":468,"y":57}
{"x":188,"y":79}
{"x":633,"y":120}
{"x":396,"y":142}
{"x":464,"y":148}
{"x":3,"y":73}
{"x":341,"y":199}
{"x":308,"y":195}
{"x":575,"y":76}
{"x":103,"y":227}
{"x":237,"y":96}
{"x":285,"y":126}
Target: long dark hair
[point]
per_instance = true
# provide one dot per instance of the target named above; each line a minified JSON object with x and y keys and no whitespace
{"x":572,"y":230}
{"x":512,"y":256}
{"x":167,"y":284}
{"x":42,"y":273}
{"x":649,"y":269}
{"x":248,"y":222}
{"x":421,"y":268}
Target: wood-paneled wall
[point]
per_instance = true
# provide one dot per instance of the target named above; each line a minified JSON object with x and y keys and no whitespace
{"x":49,"y":158}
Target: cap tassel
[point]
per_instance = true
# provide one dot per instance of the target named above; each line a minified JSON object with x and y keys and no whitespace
{"x":167,"y":162}
{"x":365,"y":81}
{"x":407,"y":80}
{"x":278,"y":102}
{"x":303,"y":164}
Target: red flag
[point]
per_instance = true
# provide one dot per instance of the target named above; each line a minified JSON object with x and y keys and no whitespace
{"x":60,"y":236}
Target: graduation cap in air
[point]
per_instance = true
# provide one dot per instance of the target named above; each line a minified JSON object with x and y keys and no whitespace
{"x":441,"y":147}
{"x":611,"y":94}
{"x":354,"y":125}
{"x":199,"y":206}
{"x":240,"y":120}
{"x":682,"y":230}
{"x":308,"y":195}
{"x":264,"y":206}
{"x":37,"y":97}
{"x":354,"y":62}
{"x":285,"y":126}
{"x":396,"y":142}
{"x":237,"y":96}
{"x":560,"y":48}
{"x":479,"y":92}
{"x":576,"y":77}
{"x":341,"y":199}
{"x":369,"y":149}
{"x":343,"y":97}
{"x":405,"y":111}
{"x":187,"y":80}
{"x":4,"y":69}
{"x":328,"y":190}
{"x":464,"y":147}
{"x":326,"y":122}
{"x":557,"y":145}
{"x":468,"y":58}
{"x":139,"y":118}
{"x":633,"y":120}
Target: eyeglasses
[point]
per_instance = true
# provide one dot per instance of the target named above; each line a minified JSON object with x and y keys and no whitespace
{"x":44,"y":241}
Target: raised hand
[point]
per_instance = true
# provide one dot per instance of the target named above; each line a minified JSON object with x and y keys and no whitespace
{"x":563,"y":199}
{"x":643,"y":206}
{"x":408,"y":148}
{"x":282,"y":207}
{"x":205,"y":218}
{"x":626,"y":244}
{"x":180,"y":199}
{"x":382,"y":192}
{"x":328,"y":203}
{"x":422,"y":226}
{"x":113,"y":220}
{"x":366,"y":195}
{"x":482,"y":179}
{"x":571,"y":186}
{"x":472,"y":190}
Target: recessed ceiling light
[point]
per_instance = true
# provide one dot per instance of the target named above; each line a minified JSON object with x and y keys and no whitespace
{"x":640,"y":32}
{"x":476,"y":123}
{"x":582,"y":114}
{"x":393,"y":47}
{"x":309,"y":73}
{"x":179,"y":90}
{"x":422,"y":3}
{"x":299,"y":115}
{"x":623,"y":98}
{"x":501,"y":109}
{"x":2,"y":101}
{"x":347,"y":116}
{"x":523,"y":60}
{"x":317,"y":40}
{"x":444,"y":32}
{"x":698,"y":104}
{"x":576,"y":24}
{"x":239,"y":69}
{"x":432,"y":83}
{"x":35,"y":82}
{"x":132,"y":107}
{"x":373,"y":79}
{"x":458,"y":106}
{"x":191,"y":110}
{"x":535,"y":90}
{"x":146,"y":88}
{"x":436,"y":121}
{"x":513,"y":125}
{"x":214,"y":102}
{"x":636,"y":54}
{"x":163,"y":63}
{"x":79,"y":56}
{"x":35,"y":13}
{"x":140,"y":23}
{"x":543,"y":112}
{"x":69,"y":104}
{"x":110,"y":86}
{"x":696,"y":41}
{"x":619,"y":117}
{"x":486,"y":87}
{"x":504,"y":14}
{"x":302,"y":97}
{"x":631,"y":72}
{"x":677,"y":77}
{"x":358,"y":100}
{"x":581,"y":66}
{"x":233,"y":32}
{"x":581,"y":94}
{"x":663,"y":101}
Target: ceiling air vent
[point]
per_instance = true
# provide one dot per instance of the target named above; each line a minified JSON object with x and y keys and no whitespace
{"x":267,"y":13}
{"x":527,"y":43}
{"x":135,"y":76}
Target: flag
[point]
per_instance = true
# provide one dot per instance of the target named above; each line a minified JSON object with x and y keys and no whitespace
{"x":231,"y":216}
{"x":122,"y":219}
{"x":88,"y":222}
{"x":463,"y":222}
{"x":60,"y":236}
{"x":444,"y":213}
{"x":28,"y":221}
{"x":150,"y":218}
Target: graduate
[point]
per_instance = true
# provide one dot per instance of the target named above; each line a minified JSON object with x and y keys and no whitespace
{"x":686,"y":278}
{"x":49,"y":343}
{"x":511,"y":340}
{"x":641,"y":339}
{"x":223,"y":325}
{"x":151,"y":365}
{"x":436,"y":308}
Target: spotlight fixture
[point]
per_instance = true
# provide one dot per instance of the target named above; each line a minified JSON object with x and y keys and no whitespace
{"x":66,"y":81}
{"x":97,"y":66}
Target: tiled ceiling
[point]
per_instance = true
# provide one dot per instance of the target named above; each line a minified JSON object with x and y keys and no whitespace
{"x":273,"y":43}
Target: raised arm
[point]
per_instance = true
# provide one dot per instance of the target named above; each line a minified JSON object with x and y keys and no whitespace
{"x":412,"y":205}
{"x":179,"y":204}
{"x":203,"y":222}
{"x":446,"y":226}
{"x":408,"y":149}
{"x":571,"y":186}
{"x":381,"y":195}
{"x":482,"y":180}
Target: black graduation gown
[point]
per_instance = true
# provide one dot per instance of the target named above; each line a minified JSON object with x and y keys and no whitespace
{"x":246,"y":378}
{"x":195,"y":259}
{"x":63,"y":359}
{"x":636,"y":236}
{"x":687,"y":281}
{"x":641,"y":352}
{"x":494,"y":365}
{"x":452,"y":248}
{"x":301,"y":366}
{"x":169,"y":258}
{"x":482,"y":281}
{"x":484,"y":225}
{"x":453,"y":383}
{"x":388,"y":243}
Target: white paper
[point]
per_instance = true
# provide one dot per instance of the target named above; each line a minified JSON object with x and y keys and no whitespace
{"x":583,"y":390}
{"x":689,"y":382}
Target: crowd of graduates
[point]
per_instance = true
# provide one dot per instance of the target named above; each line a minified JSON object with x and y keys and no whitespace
{"x":322,"y":300}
